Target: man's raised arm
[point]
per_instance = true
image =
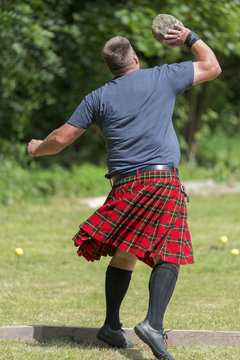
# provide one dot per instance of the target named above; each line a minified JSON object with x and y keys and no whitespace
{"x":206,"y":67}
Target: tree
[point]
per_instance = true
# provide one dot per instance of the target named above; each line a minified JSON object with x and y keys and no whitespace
{"x":50,"y":59}
{"x":217,"y":23}
{"x":29,"y":64}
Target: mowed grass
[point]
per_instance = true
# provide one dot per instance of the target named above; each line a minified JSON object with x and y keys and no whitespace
{"x":51,"y":285}
{"x":58,"y":350}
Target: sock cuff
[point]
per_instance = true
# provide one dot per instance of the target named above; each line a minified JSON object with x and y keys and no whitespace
{"x":167,"y":266}
{"x":114,"y":270}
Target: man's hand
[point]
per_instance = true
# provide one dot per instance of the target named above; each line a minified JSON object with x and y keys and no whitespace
{"x":177,"y":37}
{"x":33,"y":146}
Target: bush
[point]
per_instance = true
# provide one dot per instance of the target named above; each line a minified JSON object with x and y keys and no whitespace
{"x":35,"y":183}
{"x":220,"y":153}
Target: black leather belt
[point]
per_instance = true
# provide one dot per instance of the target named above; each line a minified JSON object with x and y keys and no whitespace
{"x":118,"y":177}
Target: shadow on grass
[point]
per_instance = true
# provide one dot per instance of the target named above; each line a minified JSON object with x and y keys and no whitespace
{"x":133,"y":354}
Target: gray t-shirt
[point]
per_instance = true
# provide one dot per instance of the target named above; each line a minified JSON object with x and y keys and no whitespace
{"x":134,"y":114}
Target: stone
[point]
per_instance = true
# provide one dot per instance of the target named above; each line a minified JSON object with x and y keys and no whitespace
{"x":161,"y":24}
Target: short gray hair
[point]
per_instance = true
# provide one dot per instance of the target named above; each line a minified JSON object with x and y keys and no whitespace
{"x":118,"y":54}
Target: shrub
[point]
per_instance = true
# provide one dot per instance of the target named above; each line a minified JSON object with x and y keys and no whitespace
{"x":18,"y":183}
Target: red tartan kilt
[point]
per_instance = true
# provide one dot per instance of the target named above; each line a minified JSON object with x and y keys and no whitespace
{"x":145,"y":216}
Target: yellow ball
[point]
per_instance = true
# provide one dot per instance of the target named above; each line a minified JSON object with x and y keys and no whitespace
{"x":223,"y":239}
{"x":19,"y":251}
{"x":235,"y":252}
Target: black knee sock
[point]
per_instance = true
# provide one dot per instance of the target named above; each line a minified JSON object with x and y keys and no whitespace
{"x":161,"y":286}
{"x":116,"y":285}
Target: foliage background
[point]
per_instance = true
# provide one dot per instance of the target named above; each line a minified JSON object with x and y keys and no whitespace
{"x":50,"y":59}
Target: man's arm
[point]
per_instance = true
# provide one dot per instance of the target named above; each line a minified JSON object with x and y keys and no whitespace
{"x":55,"y":142}
{"x":206,"y":67}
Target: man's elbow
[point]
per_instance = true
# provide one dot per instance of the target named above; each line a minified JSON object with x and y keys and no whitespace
{"x":206,"y":71}
{"x":59,"y":140}
{"x":66,"y":134}
{"x":216,"y":71}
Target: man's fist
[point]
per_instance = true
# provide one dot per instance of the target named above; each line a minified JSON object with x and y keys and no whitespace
{"x":33,"y":146}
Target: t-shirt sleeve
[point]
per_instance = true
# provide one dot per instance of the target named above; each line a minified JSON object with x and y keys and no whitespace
{"x":181,"y":76}
{"x":83,"y":117}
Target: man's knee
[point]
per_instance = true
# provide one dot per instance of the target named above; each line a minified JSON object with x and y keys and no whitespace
{"x":157,"y":260}
{"x":123,"y":260}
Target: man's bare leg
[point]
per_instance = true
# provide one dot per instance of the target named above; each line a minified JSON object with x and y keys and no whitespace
{"x":123,"y":260}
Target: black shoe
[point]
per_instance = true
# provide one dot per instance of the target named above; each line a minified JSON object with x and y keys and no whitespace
{"x":154,"y":339}
{"x":114,"y":338}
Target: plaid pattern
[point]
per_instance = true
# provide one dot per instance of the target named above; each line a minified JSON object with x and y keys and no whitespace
{"x":144,"y":215}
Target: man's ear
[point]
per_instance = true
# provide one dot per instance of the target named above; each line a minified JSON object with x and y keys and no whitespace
{"x":135,"y":58}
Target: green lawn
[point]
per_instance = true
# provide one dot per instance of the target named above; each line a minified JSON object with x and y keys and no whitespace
{"x":51,"y":285}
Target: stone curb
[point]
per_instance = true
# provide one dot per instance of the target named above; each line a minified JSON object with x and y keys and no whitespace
{"x":175,"y":337}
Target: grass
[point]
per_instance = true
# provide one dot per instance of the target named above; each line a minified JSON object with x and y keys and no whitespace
{"x":52,"y":350}
{"x":51,"y":285}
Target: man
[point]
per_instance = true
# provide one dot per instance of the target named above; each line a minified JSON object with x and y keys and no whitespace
{"x":144,"y":216}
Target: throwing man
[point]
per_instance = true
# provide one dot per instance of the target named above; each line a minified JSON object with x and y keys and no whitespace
{"x":144,"y":216}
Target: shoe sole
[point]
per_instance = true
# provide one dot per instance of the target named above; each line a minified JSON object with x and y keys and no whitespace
{"x":141,"y":334}
{"x":108,"y":341}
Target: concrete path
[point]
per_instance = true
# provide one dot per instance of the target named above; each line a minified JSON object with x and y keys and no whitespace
{"x":198,"y":187}
{"x":175,"y":337}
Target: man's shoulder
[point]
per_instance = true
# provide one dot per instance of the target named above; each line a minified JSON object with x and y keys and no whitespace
{"x":154,"y":68}
{"x":183,"y":65}
{"x":158,"y":69}
{"x":95,"y":94}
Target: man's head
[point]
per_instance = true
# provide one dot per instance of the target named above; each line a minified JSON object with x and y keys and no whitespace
{"x":119,"y":56}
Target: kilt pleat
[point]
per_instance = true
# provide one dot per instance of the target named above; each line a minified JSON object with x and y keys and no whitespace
{"x":144,"y":215}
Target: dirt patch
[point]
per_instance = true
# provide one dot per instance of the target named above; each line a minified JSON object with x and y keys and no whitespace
{"x":210,"y":187}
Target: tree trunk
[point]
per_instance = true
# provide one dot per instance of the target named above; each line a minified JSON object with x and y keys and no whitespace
{"x":198,"y":103}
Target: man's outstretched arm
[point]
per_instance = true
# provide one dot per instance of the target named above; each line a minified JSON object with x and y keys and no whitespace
{"x":206,"y":67}
{"x":55,"y":142}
